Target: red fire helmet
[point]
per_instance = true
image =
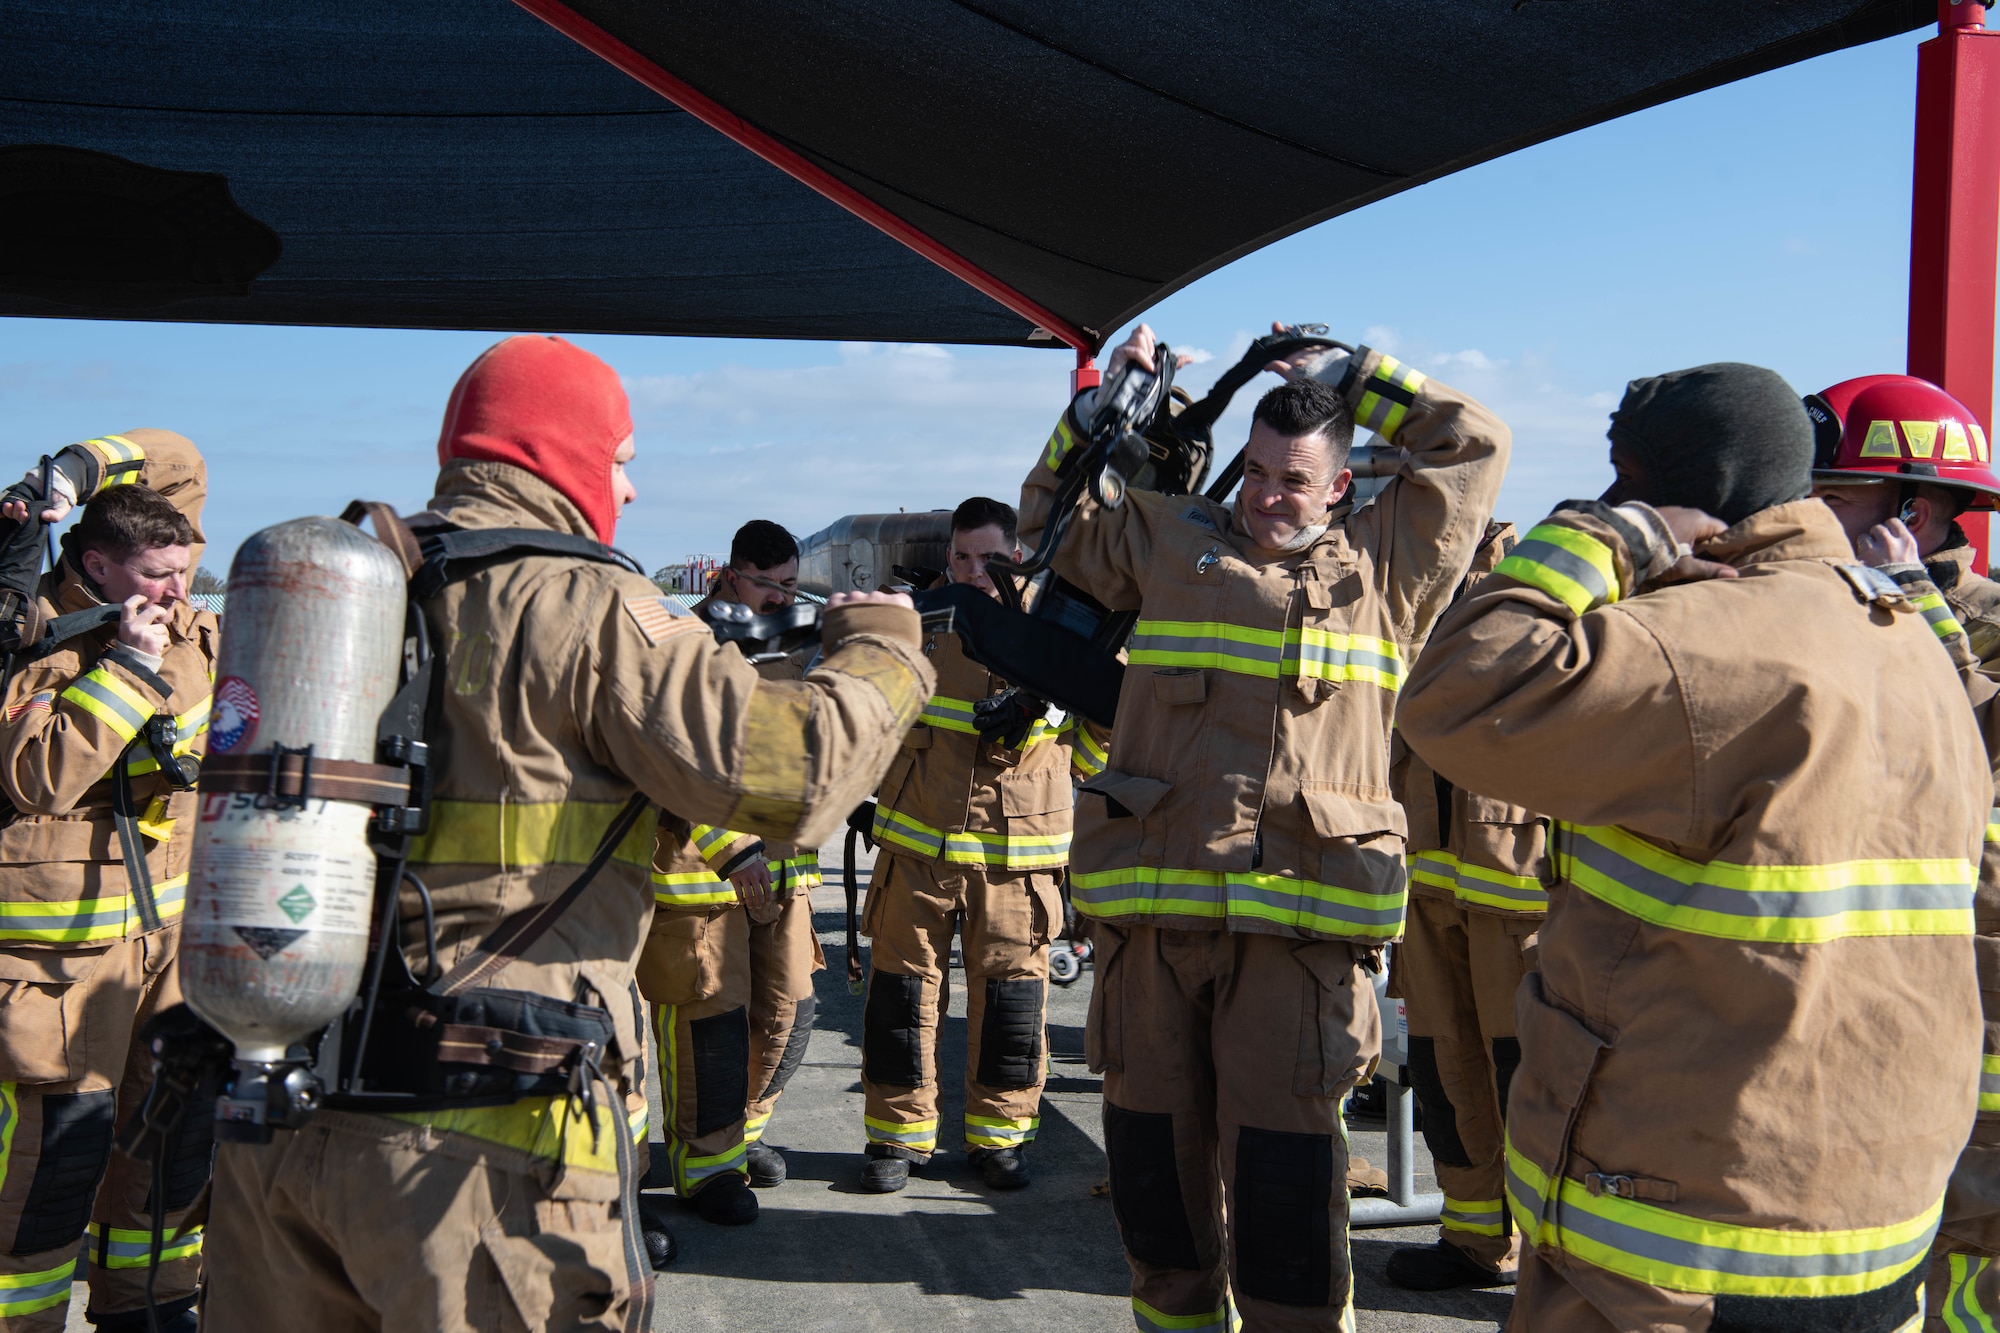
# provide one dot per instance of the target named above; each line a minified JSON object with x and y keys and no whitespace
{"x":1900,"y":428}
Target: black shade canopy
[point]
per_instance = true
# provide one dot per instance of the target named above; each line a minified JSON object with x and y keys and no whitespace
{"x":379,"y":162}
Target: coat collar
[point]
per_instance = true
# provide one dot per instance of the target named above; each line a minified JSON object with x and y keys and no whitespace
{"x":1796,"y":530}
{"x":481,"y":494}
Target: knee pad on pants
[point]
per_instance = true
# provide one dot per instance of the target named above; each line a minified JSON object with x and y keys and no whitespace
{"x":803,"y":1019}
{"x":76,"y":1147}
{"x":720,"y":1050}
{"x":1506,"y":1059}
{"x":1146,"y":1188}
{"x":892,"y":1030}
{"x":1440,"y":1119}
{"x":1882,"y":1310}
{"x":1281,"y":1216}
{"x":1010,"y":1037}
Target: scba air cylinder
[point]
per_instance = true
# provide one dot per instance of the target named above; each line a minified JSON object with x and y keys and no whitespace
{"x":280,"y":892}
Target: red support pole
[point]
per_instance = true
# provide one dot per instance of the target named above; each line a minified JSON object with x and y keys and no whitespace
{"x":1955,"y":217}
{"x":1085,"y":375}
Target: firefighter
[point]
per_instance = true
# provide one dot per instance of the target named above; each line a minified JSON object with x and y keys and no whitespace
{"x":1874,"y":434}
{"x":92,"y":884}
{"x":972,"y":829}
{"x":1697,"y":680}
{"x":1241,"y":859}
{"x":569,"y":685}
{"x":755,"y":995}
{"x":1476,"y":901}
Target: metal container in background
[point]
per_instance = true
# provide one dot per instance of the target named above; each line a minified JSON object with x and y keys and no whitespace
{"x":859,"y":553}
{"x":275,"y":934}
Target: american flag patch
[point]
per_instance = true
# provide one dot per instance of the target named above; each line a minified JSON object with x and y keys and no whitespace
{"x":44,"y":701}
{"x":659,"y":619}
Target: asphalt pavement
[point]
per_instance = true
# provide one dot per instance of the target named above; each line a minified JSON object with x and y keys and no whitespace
{"x":948,"y":1253}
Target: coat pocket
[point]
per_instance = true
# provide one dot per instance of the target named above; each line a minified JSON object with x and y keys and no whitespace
{"x":1559,"y":1055}
{"x":1180,"y":685}
{"x":1128,"y":795}
{"x":1103,"y":1030}
{"x":1340,"y":1027}
{"x":1042,"y":791}
{"x":1361,"y":832}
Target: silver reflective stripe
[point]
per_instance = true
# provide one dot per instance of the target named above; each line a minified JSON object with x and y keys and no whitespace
{"x":1566,"y":563}
{"x":103,"y":694}
{"x":1768,"y":904}
{"x":1717,"y":1258}
{"x":13,"y":1295}
{"x":1213,"y":644}
{"x":1324,"y":654}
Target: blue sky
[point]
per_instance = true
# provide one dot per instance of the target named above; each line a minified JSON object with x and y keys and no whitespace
{"x":1767,"y":221}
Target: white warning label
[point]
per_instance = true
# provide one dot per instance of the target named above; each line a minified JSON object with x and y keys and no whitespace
{"x":294,"y":871}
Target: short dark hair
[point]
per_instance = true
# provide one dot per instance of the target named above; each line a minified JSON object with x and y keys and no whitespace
{"x":1308,"y":407}
{"x":125,"y":520}
{"x":762,"y":543}
{"x":980,"y":512}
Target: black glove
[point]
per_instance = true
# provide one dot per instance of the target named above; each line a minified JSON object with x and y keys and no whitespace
{"x":1008,"y":717}
{"x":862,"y":820}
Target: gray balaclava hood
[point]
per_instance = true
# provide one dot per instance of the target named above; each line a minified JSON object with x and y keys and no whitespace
{"x":1729,"y":439}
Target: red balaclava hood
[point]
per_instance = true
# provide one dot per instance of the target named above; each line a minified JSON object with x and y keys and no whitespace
{"x":550,"y":407}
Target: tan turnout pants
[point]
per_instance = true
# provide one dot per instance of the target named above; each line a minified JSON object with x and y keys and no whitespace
{"x":1456,"y":971}
{"x":358,"y":1223}
{"x":696,"y":971}
{"x":1962,"y":1290}
{"x":1226,"y":1057}
{"x":69,"y":1075}
{"x":1006,"y":920}
{"x":784,"y":954}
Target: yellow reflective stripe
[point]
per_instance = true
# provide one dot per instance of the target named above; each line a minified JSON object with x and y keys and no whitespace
{"x":111,"y":701}
{"x":1477,"y":884}
{"x":691,"y":888}
{"x":187,"y":727}
{"x":1143,"y":891}
{"x":10,"y":1118}
{"x":122,"y":460}
{"x":1089,"y":757}
{"x":753,"y":1127}
{"x":1989,"y":1083}
{"x":1387,"y":397}
{"x":948,"y":714}
{"x":551,"y":1128}
{"x":798,"y":872}
{"x":635,"y":1122}
{"x":1962,"y":1311}
{"x":1567,"y":563}
{"x":1061,"y":441}
{"x":83,"y":920}
{"x":1650,"y":1244}
{"x":1480,"y":1217}
{"x":1993,"y":824}
{"x":522,"y":834}
{"x":918,"y":1134}
{"x":988,"y":1132}
{"x":1014,"y":851}
{"x":1312,"y":653}
{"x":122,"y":1247}
{"x":1804,"y":904}
{"x":25,"y":1293}
{"x":1150,"y":1320}
{"x":1937,"y":614}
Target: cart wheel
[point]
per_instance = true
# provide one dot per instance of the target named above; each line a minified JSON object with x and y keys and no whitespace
{"x":1064,"y":968}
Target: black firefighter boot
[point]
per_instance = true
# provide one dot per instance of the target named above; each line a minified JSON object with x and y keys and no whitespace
{"x":1440,"y":1267}
{"x":726,"y":1201}
{"x":1002,"y":1168}
{"x":886,"y":1171}
{"x":767,"y":1165}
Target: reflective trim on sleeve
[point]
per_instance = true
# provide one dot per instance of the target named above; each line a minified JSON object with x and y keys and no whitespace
{"x":25,"y":1293}
{"x":691,"y":888}
{"x":1061,"y":441}
{"x":1803,"y":904}
{"x":1480,"y":1217}
{"x":123,"y":460}
{"x":1681,"y":1252}
{"x":102,"y":695}
{"x":551,"y":1128}
{"x":87,"y":920}
{"x":528,"y":833}
{"x":1314,"y":654}
{"x":1567,"y":563}
{"x":187,"y":727}
{"x":798,"y":873}
{"x":989,"y":1132}
{"x":918,"y":1135}
{"x":1937,"y":614}
{"x":1088,"y":756}
{"x":1989,"y":1083}
{"x":1151,"y":891}
{"x":716,"y":845}
{"x":1477,"y":884}
{"x":1962,"y":1311}
{"x":948,"y":714}
{"x":1012,"y":851}
{"x":121,"y":1247}
{"x":1387,"y":397}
